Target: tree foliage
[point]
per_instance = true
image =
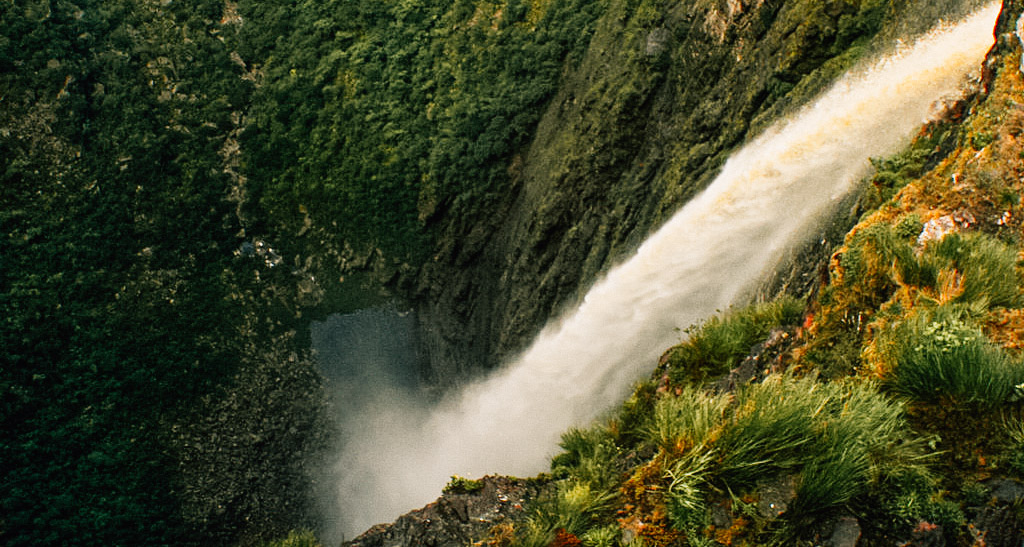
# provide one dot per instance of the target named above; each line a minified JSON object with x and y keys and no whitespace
{"x":123,"y":299}
{"x":377,"y":116}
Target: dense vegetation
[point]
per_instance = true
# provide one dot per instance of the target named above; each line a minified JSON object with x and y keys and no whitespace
{"x":158,"y":159}
{"x":375,"y":117}
{"x":128,"y":315}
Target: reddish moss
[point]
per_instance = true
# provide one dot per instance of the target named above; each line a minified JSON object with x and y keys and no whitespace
{"x":565,"y":539}
{"x":1006,"y":328}
{"x":732,"y":535}
{"x":643,"y":510}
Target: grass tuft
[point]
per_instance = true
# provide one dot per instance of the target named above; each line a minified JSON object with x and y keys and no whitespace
{"x":686,"y":501}
{"x":605,"y":536}
{"x":573,"y":508}
{"x":774,"y":427}
{"x":987,"y":267}
{"x":941,"y":358}
{"x":840,"y":441}
{"x":722,"y":342}
{"x":1014,"y":444}
{"x":686,"y":420}
{"x":589,"y":456}
{"x":462,"y":485}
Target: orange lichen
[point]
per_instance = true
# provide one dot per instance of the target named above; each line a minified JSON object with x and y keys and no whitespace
{"x":1006,"y":328}
{"x":740,"y":527}
{"x":643,"y":512}
{"x":565,"y":539}
{"x":658,"y":532}
{"x":500,"y":535}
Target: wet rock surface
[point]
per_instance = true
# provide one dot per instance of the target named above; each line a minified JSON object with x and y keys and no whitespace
{"x":845,"y":534}
{"x":997,"y":527}
{"x":764,"y":358}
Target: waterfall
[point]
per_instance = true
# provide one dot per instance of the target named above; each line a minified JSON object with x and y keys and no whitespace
{"x":705,"y":258}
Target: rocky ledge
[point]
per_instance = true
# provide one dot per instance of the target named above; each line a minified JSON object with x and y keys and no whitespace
{"x":467,"y":511}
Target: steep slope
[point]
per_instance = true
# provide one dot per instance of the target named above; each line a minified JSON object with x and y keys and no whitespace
{"x":485,"y":161}
{"x":662,"y":95}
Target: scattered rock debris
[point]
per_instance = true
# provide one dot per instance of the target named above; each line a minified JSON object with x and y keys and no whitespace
{"x":456,"y":518}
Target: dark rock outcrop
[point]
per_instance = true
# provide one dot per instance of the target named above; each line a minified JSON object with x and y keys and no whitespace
{"x":457,"y":518}
{"x":997,"y":527}
{"x":764,"y":358}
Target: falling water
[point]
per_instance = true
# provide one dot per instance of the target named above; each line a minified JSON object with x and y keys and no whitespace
{"x":704,"y":259}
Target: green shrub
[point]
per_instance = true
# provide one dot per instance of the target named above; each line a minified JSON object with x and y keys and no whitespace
{"x":975,"y":494}
{"x":684,"y":420}
{"x":296,"y":539}
{"x":895,"y":172}
{"x":721,"y":342}
{"x":938,"y":357}
{"x":914,"y":506}
{"x":909,"y":226}
{"x":987,"y":267}
{"x":460,"y":485}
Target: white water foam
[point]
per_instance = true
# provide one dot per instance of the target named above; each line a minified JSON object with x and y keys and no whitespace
{"x":705,"y":258}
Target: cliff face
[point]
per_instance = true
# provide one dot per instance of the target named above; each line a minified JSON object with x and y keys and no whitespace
{"x":661,"y":96}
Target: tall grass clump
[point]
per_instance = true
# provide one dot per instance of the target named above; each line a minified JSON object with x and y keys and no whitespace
{"x":837,"y":442}
{"x":587,"y":475}
{"x":575,"y":508}
{"x":980,"y":268}
{"x":941,"y":358}
{"x":827,"y":444}
{"x":689,"y":483}
{"x":723,"y":341}
{"x":686,"y":420}
{"x":863,"y":443}
{"x":589,"y":456}
{"x":769,"y":429}
{"x":1013,"y":431}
